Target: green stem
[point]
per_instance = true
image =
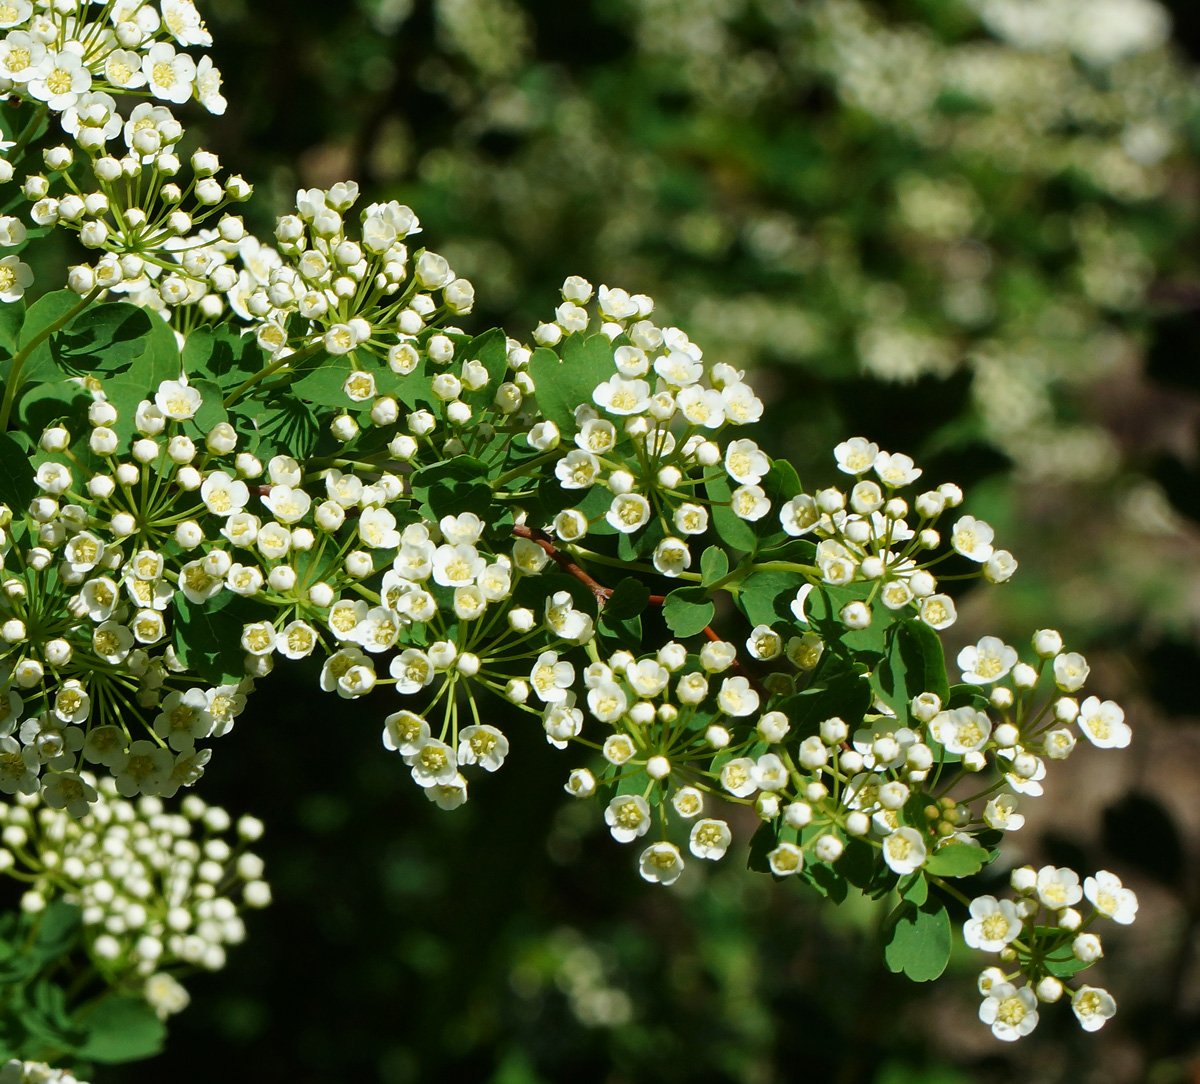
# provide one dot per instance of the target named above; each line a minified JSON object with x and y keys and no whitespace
{"x":18,"y":362}
{"x":16,"y":150}
{"x":270,"y":370}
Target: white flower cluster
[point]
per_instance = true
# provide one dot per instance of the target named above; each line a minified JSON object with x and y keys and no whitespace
{"x":132,"y":210}
{"x":355,"y":291}
{"x":55,"y":54}
{"x":865,"y":536}
{"x":85,"y":595}
{"x":1043,"y":935}
{"x":1099,"y":31}
{"x":161,"y":893}
{"x":35,"y":1072}
{"x":837,"y":784}
{"x":654,"y":418}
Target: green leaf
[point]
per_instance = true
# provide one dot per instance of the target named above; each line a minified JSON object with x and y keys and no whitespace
{"x":765,"y":597}
{"x":56,"y":932}
{"x":563,"y":385}
{"x":12,"y":316}
{"x":826,"y":881}
{"x":104,"y":339}
{"x":454,"y":486}
{"x":17,"y":487}
{"x":825,"y":604}
{"x":845,"y":694}
{"x":736,"y":532}
{"x":914,"y":888}
{"x":688,"y":611}
{"x":762,"y":843}
{"x":491,"y":349}
{"x":222,"y":355}
{"x":957,"y":860}
{"x":42,"y":404}
{"x":919,"y":940}
{"x":280,"y":422}
{"x":1062,"y":963}
{"x":914,"y":664}
{"x":961,"y":696}
{"x":159,"y":360}
{"x":212,"y":409}
{"x":208,"y":635}
{"x":628,"y":600}
{"x":120,"y":1029}
{"x":323,"y":385}
{"x":714,"y":563}
{"x":45,"y":311}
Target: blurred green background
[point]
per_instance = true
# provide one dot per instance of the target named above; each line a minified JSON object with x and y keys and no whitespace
{"x":964,"y":228}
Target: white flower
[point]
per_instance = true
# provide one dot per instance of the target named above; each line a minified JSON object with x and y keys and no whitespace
{"x":550,"y":678}
{"x":184,"y":23}
{"x":15,"y":278}
{"x":785,"y":860}
{"x":448,"y":795}
{"x":769,"y":773}
{"x":856,"y":455}
{"x":1110,"y":897}
{"x":165,"y":995}
{"x":577,"y":469}
{"x":433,"y":763}
{"x":621,"y":396}
{"x":972,"y":538}
{"x":1000,"y":813}
{"x":413,"y":671}
{"x":895,"y":471}
{"x":607,"y":702}
{"x":628,"y":512}
{"x":672,"y":556}
{"x":992,"y":925}
{"x":701,"y":406}
{"x":1070,"y":671}
{"x":745,"y":463}
{"x":904,"y":850}
{"x":938,"y":611}
{"x":404,"y":732}
{"x":60,"y":79}
{"x":170,"y":75}
{"x":749,"y":503}
{"x":483,"y":745}
{"x":627,"y":817}
{"x":737,"y":698}
{"x":223,"y":495}
{"x":709,"y":838}
{"x":1103,"y":724}
{"x":764,"y":643}
{"x":1092,"y":1005}
{"x":737,"y":777}
{"x":988,"y":661}
{"x":1058,"y":888}
{"x":661,"y":863}
{"x":962,"y":730}
{"x":1011,"y":1013}
{"x":740,"y":405}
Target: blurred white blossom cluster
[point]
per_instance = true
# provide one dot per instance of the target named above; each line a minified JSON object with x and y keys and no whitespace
{"x":1082,"y":100}
{"x":35,"y":1072}
{"x":161,"y":894}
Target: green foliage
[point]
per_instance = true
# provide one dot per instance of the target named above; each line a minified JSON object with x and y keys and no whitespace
{"x":918,"y":939}
{"x":39,"y":1019}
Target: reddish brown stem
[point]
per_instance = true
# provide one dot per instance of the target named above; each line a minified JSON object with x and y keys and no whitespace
{"x":603,"y":594}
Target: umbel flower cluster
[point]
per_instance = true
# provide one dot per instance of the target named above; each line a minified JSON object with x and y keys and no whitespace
{"x":160,"y":894}
{"x":219,"y":454}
